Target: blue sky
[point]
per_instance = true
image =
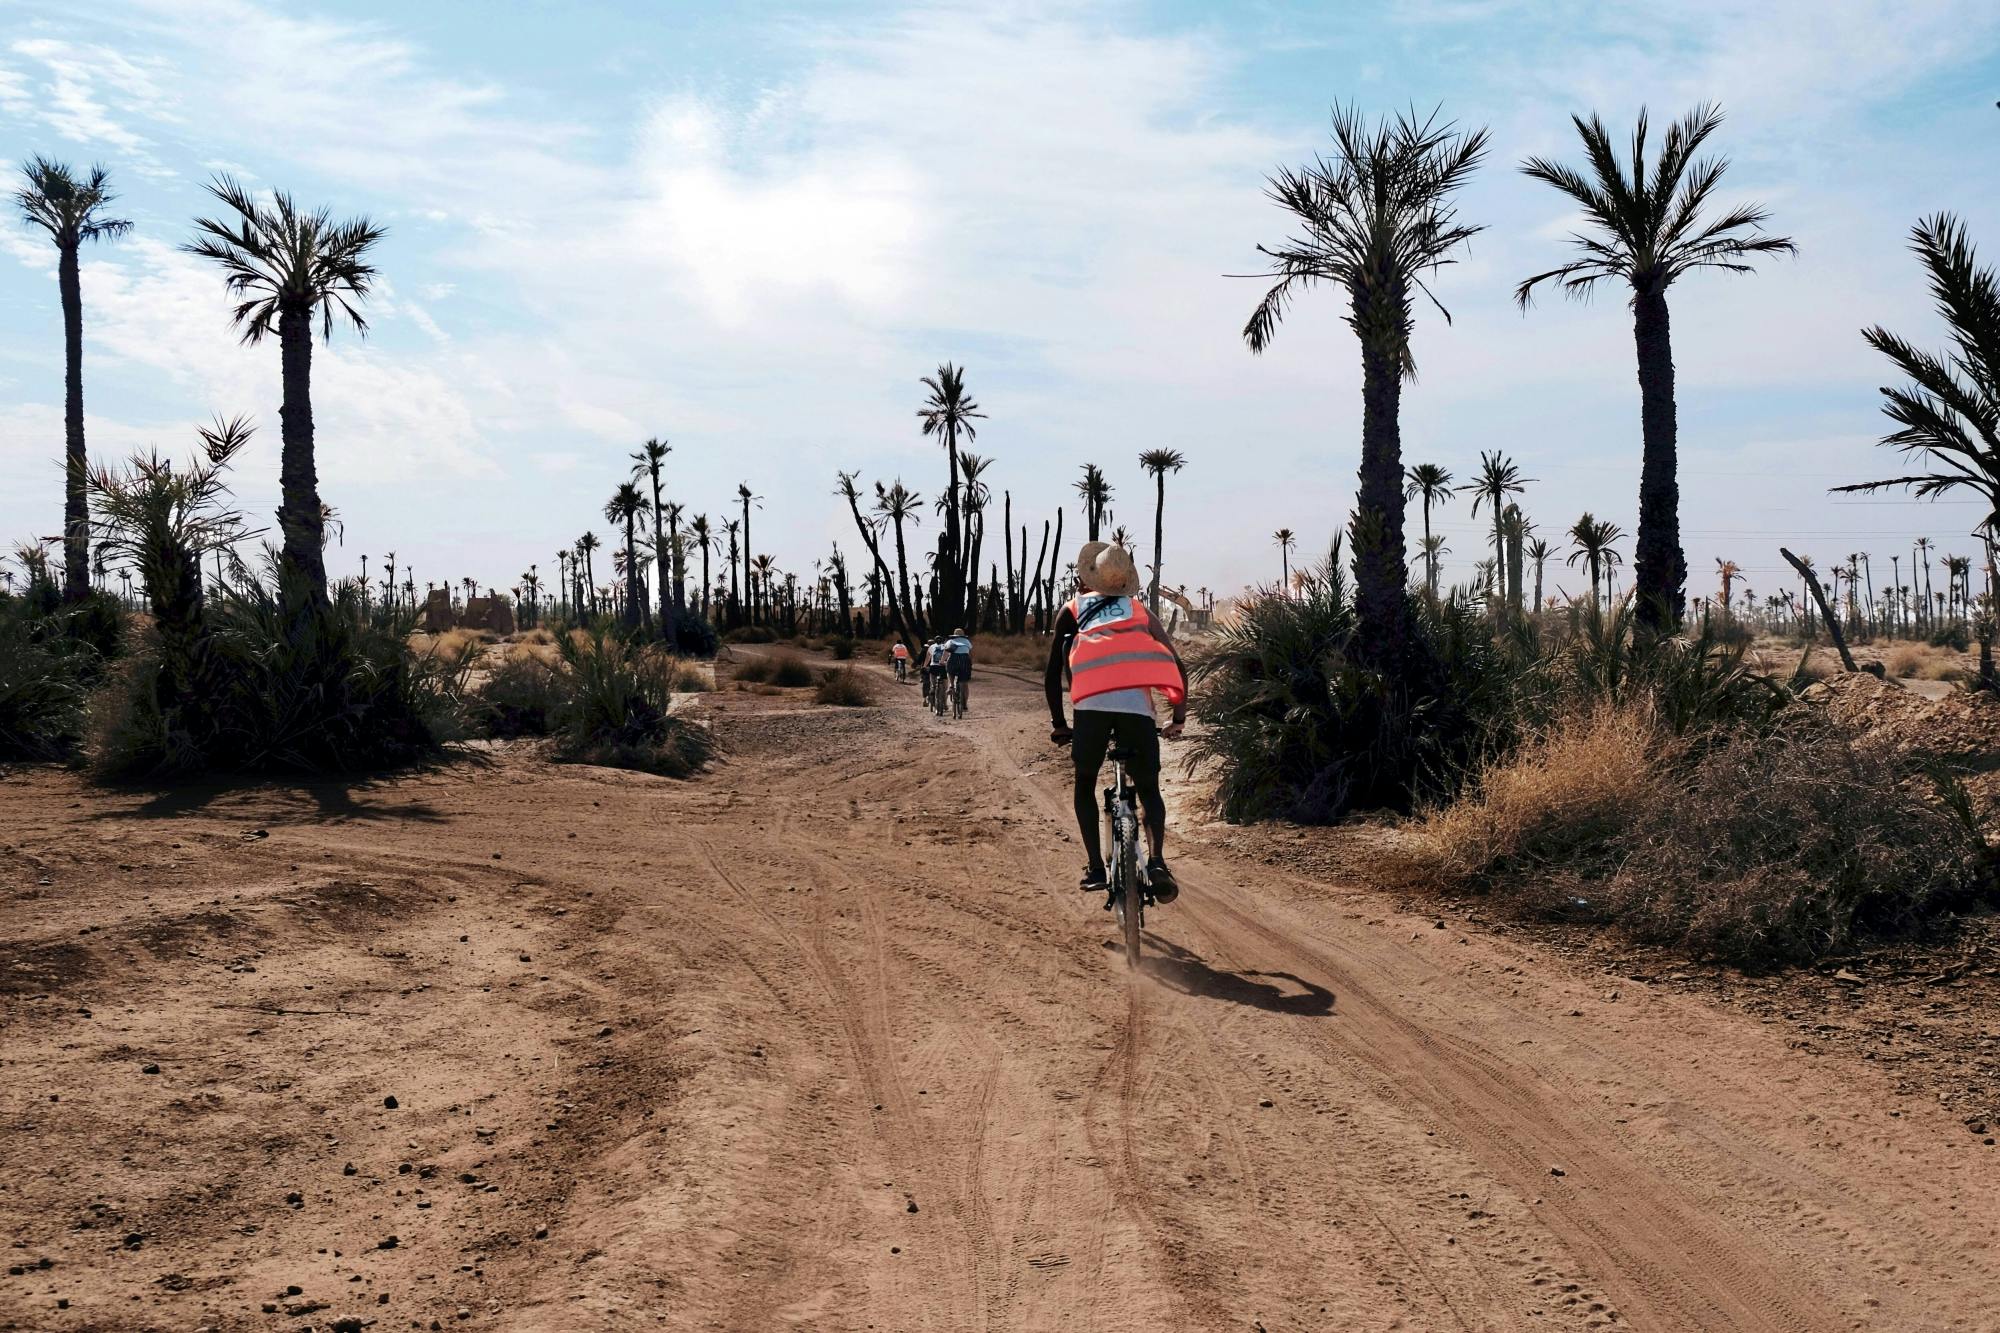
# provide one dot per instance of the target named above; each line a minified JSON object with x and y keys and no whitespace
{"x":751,"y":229}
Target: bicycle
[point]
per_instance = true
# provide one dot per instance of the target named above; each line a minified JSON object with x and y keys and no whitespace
{"x":940,"y":693}
{"x":959,"y":686}
{"x":902,"y":671}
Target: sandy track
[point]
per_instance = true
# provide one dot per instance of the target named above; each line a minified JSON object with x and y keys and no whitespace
{"x":826,"y":1039}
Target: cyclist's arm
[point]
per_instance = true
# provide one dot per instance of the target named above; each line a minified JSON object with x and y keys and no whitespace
{"x":1160,"y":633}
{"x":1052,"y":679}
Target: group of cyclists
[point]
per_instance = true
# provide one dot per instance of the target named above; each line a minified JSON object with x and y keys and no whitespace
{"x":1112,"y":660}
{"x":946,"y":674}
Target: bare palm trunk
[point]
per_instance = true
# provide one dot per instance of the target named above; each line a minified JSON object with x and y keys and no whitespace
{"x":1380,"y":604}
{"x":1159,"y":536}
{"x":749,"y":588}
{"x":946,"y":604}
{"x":301,"y":569}
{"x":1659,"y":568}
{"x":76,"y":509}
{"x":1042,"y":615}
{"x":1430,"y":553}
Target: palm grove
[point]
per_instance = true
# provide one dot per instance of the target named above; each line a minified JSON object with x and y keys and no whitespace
{"x":1375,"y":218}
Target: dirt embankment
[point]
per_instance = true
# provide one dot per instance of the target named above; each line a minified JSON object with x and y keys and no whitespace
{"x":826,"y":1039}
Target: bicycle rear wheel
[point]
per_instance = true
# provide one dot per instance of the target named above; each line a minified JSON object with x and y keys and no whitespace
{"x":1130,"y":902}
{"x":958,"y":698}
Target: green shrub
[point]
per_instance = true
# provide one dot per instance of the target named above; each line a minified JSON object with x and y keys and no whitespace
{"x":750,"y":634}
{"x":845,"y":688}
{"x":43,"y":682}
{"x":616,"y":710}
{"x":1954,"y":636}
{"x":841,"y":647}
{"x":523,"y":696}
{"x":693,"y":635}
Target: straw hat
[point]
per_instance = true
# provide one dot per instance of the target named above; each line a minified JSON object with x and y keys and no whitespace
{"x":1104,"y":568}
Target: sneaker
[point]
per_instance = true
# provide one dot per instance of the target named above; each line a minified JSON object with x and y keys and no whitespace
{"x":1161,"y":880}
{"x":1093,"y":880}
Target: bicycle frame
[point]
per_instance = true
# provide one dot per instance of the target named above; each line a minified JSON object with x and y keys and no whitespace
{"x":1128,"y":889}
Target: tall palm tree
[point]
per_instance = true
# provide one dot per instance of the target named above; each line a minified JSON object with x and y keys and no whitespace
{"x":1594,"y":538}
{"x":649,"y":462}
{"x":765,"y":571}
{"x":731,"y":527}
{"x":1728,"y":571}
{"x":896,"y":505}
{"x":1498,"y":478}
{"x":677,"y":551}
{"x":625,"y":506}
{"x":290,"y":267}
{"x":1647,"y":230}
{"x":975,"y":495}
{"x":948,"y":413}
{"x":1539,"y":552}
{"x":586,"y":546}
{"x":1159,"y":462}
{"x":1096,"y":491}
{"x":704,"y":541}
{"x":70,"y":207}
{"x":1286,"y":540}
{"x":1432,"y":483}
{"x":1923,"y":552}
{"x":1374,"y":219}
{"x":1948,"y":414}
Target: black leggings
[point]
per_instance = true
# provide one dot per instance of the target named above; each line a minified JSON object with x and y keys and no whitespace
{"x":1091,"y":739}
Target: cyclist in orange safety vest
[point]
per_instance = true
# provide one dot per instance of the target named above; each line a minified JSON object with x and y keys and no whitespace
{"x":1117,"y":658}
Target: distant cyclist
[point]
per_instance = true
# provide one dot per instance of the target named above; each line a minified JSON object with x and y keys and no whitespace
{"x":901,"y":654}
{"x":936,"y":657}
{"x":958,"y":665}
{"x":1117,"y":657}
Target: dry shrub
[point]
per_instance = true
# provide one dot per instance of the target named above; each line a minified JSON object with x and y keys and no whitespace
{"x":453,"y":643}
{"x":1792,"y":844}
{"x":790,"y":670}
{"x":1908,"y":661}
{"x":754,"y":670}
{"x":845,"y":688}
{"x":523,"y":696}
{"x":1557,"y":802}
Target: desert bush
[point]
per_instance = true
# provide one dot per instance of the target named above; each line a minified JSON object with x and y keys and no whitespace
{"x":1791,"y":844}
{"x":750,"y":634}
{"x":44,"y":678}
{"x":754,"y":670}
{"x":841,"y":647}
{"x":845,"y":688}
{"x":616,"y":710}
{"x":694,"y":636}
{"x":1299,"y":729}
{"x":1558,"y":802}
{"x":523,"y":696}
{"x":235,"y":682}
{"x":790,"y":671}
{"x":1906,"y":661}
{"x":1954,"y":636}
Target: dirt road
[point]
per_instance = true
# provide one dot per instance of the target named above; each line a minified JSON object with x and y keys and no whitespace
{"x":826,"y":1039}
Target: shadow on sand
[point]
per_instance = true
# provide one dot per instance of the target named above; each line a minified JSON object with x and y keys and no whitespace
{"x":333,"y":801}
{"x":1274,"y":992}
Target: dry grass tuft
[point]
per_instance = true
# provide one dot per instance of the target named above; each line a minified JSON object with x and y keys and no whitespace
{"x":1557,"y":800}
{"x":845,"y":688}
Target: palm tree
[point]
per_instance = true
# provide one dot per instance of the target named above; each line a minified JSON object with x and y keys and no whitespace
{"x":1593,"y":538}
{"x":1958,"y":581}
{"x":1159,"y":462}
{"x":895,"y":505}
{"x":1096,"y":492}
{"x":1648,"y":231}
{"x":1498,"y":478}
{"x":764,"y":571}
{"x":731,"y":527}
{"x":1948,"y":415}
{"x":676,"y":551}
{"x":704,"y":541}
{"x":585,"y":546}
{"x":648,"y":462}
{"x":1432,"y":483}
{"x":1433,"y":549}
{"x":1539,"y":552}
{"x":1923,"y":552}
{"x":1374,"y":219}
{"x":625,"y":506}
{"x":948,"y":413}
{"x":1728,"y":571}
{"x":288,"y":267}
{"x":1286,"y":540}
{"x":69,"y":207}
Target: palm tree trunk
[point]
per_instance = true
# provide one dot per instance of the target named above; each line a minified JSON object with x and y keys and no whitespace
{"x":666,"y":611}
{"x":635,"y":597}
{"x":1035,"y":588}
{"x":946,"y":604}
{"x":1055,"y":562}
{"x":748,"y":587}
{"x":1430,"y":554}
{"x":301,"y":568}
{"x":903,"y":580}
{"x":706,"y":549}
{"x":1659,"y":568}
{"x":975,"y":538}
{"x":1007,"y":532}
{"x":76,"y":510}
{"x":1380,"y":603}
{"x":1159,"y":535}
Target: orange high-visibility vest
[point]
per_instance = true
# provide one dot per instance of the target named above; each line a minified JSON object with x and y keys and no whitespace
{"x":1114,"y":649}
